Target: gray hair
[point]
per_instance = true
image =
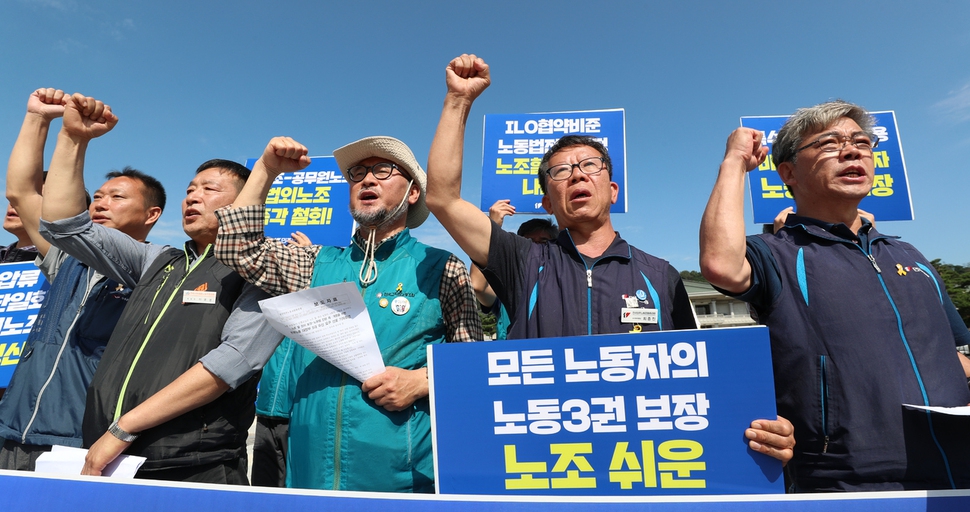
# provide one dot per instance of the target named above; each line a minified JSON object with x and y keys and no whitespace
{"x":813,"y":119}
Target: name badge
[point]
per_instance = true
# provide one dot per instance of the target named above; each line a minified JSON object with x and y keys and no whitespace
{"x":638,"y":316}
{"x":196,"y":297}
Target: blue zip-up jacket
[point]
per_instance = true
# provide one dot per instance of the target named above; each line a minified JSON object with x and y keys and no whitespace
{"x":44,"y":402}
{"x":857,"y":330}
{"x":551,"y":290}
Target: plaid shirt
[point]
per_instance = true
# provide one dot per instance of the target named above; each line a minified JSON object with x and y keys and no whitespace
{"x":280,"y":268}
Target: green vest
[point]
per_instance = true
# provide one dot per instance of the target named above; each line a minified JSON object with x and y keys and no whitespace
{"x":339,"y":439}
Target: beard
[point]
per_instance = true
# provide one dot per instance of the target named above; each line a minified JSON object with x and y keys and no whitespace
{"x":378,"y":217}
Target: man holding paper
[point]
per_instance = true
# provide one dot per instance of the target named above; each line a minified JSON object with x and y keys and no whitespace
{"x":176,"y":383}
{"x":344,"y":434}
{"x":860,"y":322}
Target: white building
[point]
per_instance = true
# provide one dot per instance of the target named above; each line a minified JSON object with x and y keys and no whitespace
{"x":714,"y":309}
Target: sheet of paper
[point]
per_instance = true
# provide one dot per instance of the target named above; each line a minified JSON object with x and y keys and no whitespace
{"x":952,"y":411}
{"x":66,"y":460}
{"x":333,"y":323}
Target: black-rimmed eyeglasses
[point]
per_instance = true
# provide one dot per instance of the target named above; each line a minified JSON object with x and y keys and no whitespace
{"x":589,"y":166}
{"x":836,"y":142}
{"x":381,"y":171}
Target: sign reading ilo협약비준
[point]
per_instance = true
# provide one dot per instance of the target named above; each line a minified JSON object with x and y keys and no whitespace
{"x":514,"y":144}
{"x":628,"y":414}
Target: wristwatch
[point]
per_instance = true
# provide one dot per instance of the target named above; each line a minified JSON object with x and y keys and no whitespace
{"x":119,"y":433}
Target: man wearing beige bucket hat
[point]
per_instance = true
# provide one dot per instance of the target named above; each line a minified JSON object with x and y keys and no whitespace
{"x":347,"y":435}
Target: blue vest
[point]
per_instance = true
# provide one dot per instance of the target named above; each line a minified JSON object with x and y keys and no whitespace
{"x":857,"y":331}
{"x":277,"y":383}
{"x":44,"y":402}
{"x":339,"y":439}
{"x":563,"y":295}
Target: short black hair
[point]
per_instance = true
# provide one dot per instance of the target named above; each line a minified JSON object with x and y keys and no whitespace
{"x":235,"y":168}
{"x":155,"y":192}
{"x":567,"y":142}
{"x":538,"y":226}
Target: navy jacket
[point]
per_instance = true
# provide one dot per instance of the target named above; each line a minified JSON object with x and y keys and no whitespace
{"x":551,"y":290}
{"x":44,"y":402}
{"x":857,"y":330}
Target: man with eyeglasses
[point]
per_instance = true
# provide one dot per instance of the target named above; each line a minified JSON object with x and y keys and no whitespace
{"x":860,"y":322}
{"x":343,"y":434}
{"x":579,"y":283}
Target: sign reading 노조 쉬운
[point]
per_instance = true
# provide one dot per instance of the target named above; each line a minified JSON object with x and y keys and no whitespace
{"x":619,"y":415}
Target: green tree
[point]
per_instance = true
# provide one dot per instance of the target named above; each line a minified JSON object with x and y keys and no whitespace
{"x":957,"y":281}
{"x":692,"y":275}
{"x":489,"y":323}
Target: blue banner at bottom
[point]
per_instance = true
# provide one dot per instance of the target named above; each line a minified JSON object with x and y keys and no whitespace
{"x":35,"y":493}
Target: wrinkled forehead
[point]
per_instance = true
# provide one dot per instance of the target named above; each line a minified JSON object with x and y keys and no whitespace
{"x":214,"y":176}
{"x":842,"y":126}
{"x":119,"y":184}
{"x":574,"y":153}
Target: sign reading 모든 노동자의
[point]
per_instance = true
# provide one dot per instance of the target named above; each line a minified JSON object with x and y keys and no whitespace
{"x":617,"y":415}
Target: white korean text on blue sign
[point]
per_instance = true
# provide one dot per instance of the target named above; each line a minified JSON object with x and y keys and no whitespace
{"x":22,"y":291}
{"x":313,"y":201}
{"x":514,"y":144}
{"x":630,"y":414}
{"x":888,"y":200}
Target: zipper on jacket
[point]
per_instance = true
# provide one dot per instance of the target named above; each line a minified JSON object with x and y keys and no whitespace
{"x":823,"y":396}
{"x":873,"y":261}
{"x":157,"y":291}
{"x":131,"y":369}
{"x":919,"y":269}
{"x":912,"y":360}
{"x":589,"y":285}
{"x":60,"y":352}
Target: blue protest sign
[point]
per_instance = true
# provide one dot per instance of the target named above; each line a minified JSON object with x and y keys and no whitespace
{"x":618,"y":415}
{"x":313,"y":201}
{"x":888,"y":200}
{"x":22,"y":291}
{"x":514,"y":144}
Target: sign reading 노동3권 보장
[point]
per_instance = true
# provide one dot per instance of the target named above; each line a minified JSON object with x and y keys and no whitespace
{"x":628,"y":414}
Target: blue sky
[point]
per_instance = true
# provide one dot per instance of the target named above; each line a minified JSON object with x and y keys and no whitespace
{"x":191,"y":81}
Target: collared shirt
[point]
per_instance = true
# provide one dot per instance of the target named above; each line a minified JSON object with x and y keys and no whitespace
{"x":279,"y":268}
{"x":247,"y":340}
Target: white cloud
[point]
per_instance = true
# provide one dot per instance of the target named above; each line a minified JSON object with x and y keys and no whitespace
{"x":957,"y":104}
{"x":61,"y":5}
{"x":118,"y":29}
{"x":69,"y":46}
